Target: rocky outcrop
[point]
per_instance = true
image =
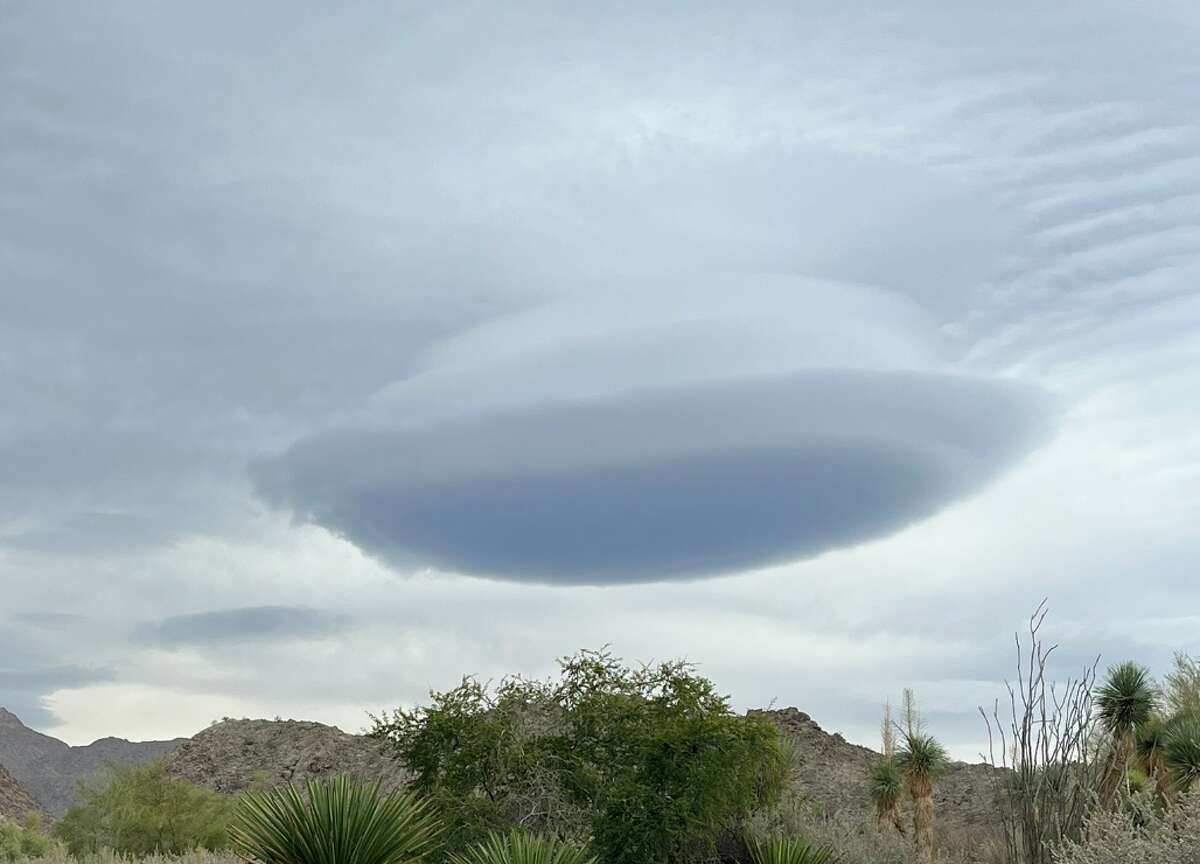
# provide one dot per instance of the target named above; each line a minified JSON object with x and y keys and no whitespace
{"x":235,"y":755}
{"x":834,"y":775}
{"x":15,"y":802}
{"x":50,"y":769}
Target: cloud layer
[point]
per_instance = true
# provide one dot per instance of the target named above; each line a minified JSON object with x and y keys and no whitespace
{"x":662,"y":484}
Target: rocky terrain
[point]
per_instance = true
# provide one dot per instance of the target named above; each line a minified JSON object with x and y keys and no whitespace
{"x":15,"y":802}
{"x":49,"y":769}
{"x":833,"y":774}
{"x":234,"y":755}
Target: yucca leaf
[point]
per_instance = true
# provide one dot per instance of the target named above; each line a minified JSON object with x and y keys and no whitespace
{"x":339,"y":821}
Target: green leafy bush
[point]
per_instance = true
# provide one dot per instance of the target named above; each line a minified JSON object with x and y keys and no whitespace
{"x":646,"y":765}
{"x":23,"y":840}
{"x":339,"y":821}
{"x":522,"y":847}
{"x":140,"y":809}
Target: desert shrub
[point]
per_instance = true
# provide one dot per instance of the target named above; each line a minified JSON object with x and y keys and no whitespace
{"x":646,"y":765}
{"x":523,"y":847}
{"x":1139,"y":834}
{"x":788,"y":850}
{"x":338,"y":821}
{"x":140,"y":809}
{"x":27,"y":839}
{"x":1049,"y":738}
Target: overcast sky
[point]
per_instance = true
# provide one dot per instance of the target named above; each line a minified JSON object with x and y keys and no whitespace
{"x":346,"y":350}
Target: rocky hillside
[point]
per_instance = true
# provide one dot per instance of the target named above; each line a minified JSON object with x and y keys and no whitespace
{"x":236,"y":754}
{"x":15,"y":802}
{"x":49,"y":769}
{"x":834,"y":774}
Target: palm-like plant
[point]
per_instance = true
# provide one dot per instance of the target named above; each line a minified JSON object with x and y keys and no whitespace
{"x":788,"y":850}
{"x":1125,"y":702}
{"x":1181,"y":750}
{"x":523,"y":847}
{"x":922,"y":760}
{"x":339,"y":821}
{"x":887,"y":788}
{"x":1127,"y":699}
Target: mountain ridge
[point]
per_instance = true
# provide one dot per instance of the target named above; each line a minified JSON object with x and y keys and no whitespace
{"x":48,"y":769}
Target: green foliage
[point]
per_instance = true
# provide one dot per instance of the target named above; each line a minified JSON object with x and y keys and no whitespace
{"x":1181,"y":750}
{"x":23,"y":840}
{"x":522,"y":847}
{"x":1181,"y":687}
{"x":340,"y":821}
{"x":788,"y":850}
{"x":648,"y":765}
{"x":921,"y":758}
{"x":1127,"y":699}
{"x":887,"y":783}
{"x":139,"y":809}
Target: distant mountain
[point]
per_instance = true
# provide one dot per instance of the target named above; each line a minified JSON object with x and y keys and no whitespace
{"x":49,"y":769}
{"x":234,"y":755}
{"x":15,"y":802}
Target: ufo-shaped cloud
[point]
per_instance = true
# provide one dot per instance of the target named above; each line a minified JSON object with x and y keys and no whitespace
{"x":692,"y":426}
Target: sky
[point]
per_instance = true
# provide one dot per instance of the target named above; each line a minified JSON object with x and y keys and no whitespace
{"x":346,"y":351}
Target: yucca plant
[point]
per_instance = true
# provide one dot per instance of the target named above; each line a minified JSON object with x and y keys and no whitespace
{"x":523,"y":847}
{"x":338,"y":821}
{"x":887,"y":788}
{"x":1125,"y":702}
{"x":788,"y":850}
{"x":922,"y":760}
{"x":1181,"y":751}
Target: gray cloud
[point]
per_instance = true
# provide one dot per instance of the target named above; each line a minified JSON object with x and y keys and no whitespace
{"x":669,"y":484}
{"x":251,"y":624}
{"x":28,"y":672}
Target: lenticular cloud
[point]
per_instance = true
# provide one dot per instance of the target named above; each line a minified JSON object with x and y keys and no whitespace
{"x":595,"y":441}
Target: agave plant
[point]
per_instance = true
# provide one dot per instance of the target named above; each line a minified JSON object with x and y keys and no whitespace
{"x":788,"y":850}
{"x":922,"y":760}
{"x":523,"y":847}
{"x":338,"y":821}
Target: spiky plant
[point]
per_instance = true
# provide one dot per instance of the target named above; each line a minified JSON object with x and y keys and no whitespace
{"x":522,"y":847}
{"x":887,"y":788}
{"x":922,"y":760}
{"x":1125,"y":702}
{"x":338,"y":821}
{"x":788,"y":850}
{"x":1151,"y":759}
{"x":1181,"y":750}
{"x":1127,"y":698}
